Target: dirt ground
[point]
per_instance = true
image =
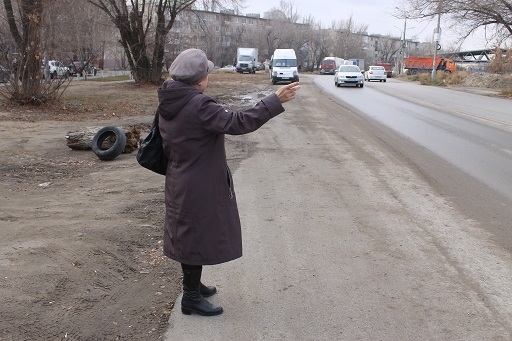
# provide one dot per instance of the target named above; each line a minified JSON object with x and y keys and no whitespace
{"x":80,"y":254}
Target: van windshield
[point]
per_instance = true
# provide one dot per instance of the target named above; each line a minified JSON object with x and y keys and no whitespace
{"x":284,"y":62}
{"x":245,"y":58}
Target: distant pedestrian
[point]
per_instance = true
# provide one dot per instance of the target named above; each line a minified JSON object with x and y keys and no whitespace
{"x":202,"y":225}
{"x":15,"y":65}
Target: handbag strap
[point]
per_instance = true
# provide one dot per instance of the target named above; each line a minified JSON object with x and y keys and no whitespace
{"x":155,"y":120}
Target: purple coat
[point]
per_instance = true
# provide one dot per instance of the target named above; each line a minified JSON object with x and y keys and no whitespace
{"x":202,"y":225}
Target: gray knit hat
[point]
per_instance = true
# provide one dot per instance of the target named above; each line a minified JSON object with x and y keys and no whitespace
{"x":191,"y":66}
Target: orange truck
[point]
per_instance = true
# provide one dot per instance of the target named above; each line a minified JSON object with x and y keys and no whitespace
{"x":414,"y":65}
{"x":388,"y":67}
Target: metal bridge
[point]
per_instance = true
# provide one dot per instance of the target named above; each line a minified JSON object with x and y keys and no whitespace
{"x":473,"y":55}
{"x":473,"y":60}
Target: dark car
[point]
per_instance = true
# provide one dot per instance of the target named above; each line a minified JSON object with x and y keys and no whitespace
{"x":5,"y":74}
{"x":77,"y":68}
{"x":260,"y":66}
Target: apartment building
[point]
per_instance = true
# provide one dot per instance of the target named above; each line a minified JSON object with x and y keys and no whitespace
{"x":220,"y":33}
{"x":217,"y":33}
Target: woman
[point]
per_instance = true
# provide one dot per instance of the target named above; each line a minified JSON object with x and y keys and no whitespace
{"x":202,"y":225}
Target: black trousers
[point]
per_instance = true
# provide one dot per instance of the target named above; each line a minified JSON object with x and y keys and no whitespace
{"x":185,"y":267}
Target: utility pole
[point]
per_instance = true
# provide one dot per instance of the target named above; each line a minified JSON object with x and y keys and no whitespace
{"x":437,"y":38}
{"x":402,"y":48}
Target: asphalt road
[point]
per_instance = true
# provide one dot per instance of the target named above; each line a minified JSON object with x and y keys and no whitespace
{"x":353,"y":231}
{"x":473,"y":133}
{"x":470,"y":133}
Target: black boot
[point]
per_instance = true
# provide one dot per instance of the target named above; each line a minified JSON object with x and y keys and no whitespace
{"x":207,"y":291}
{"x":192,"y":300}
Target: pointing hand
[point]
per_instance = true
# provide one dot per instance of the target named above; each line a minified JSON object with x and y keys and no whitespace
{"x":287,"y":92}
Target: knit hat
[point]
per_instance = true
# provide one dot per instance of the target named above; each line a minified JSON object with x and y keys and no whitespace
{"x":191,"y":66}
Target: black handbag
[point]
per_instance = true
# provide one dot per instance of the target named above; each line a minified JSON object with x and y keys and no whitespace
{"x":151,"y":151}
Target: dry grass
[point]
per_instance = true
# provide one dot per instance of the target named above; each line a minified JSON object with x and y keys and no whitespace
{"x":442,"y":79}
{"x":426,"y":79}
{"x":483,"y":80}
{"x":454,"y":78}
{"x":507,"y":93}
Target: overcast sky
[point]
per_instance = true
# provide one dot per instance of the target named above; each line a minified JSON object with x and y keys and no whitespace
{"x":377,"y":14}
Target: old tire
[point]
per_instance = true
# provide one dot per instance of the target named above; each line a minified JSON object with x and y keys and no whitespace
{"x":112,"y":151}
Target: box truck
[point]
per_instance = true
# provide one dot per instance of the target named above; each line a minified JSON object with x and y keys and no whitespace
{"x":356,"y":61}
{"x":329,"y":65}
{"x":246,"y":58}
{"x":283,"y":66}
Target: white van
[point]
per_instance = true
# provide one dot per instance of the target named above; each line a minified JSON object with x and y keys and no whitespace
{"x":283,"y":66}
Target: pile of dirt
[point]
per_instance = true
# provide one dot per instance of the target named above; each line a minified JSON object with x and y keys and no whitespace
{"x":487,"y":80}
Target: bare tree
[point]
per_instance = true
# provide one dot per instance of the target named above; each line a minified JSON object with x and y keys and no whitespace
{"x":347,"y":39}
{"x":27,"y":38}
{"x":134,"y":20}
{"x":216,"y":5}
{"x":6,"y":43}
{"x":289,"y":11}
{"x":495,"y":16}
{"x":78,"y":32}
{"x":317,"y":43}
{"x":143,"y":26}
{"x":283,"y":29}
{"x":502,"y":62}
{"x":388,"y":49}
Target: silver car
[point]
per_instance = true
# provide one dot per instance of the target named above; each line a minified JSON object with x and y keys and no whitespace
{"x":348,"y":75}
